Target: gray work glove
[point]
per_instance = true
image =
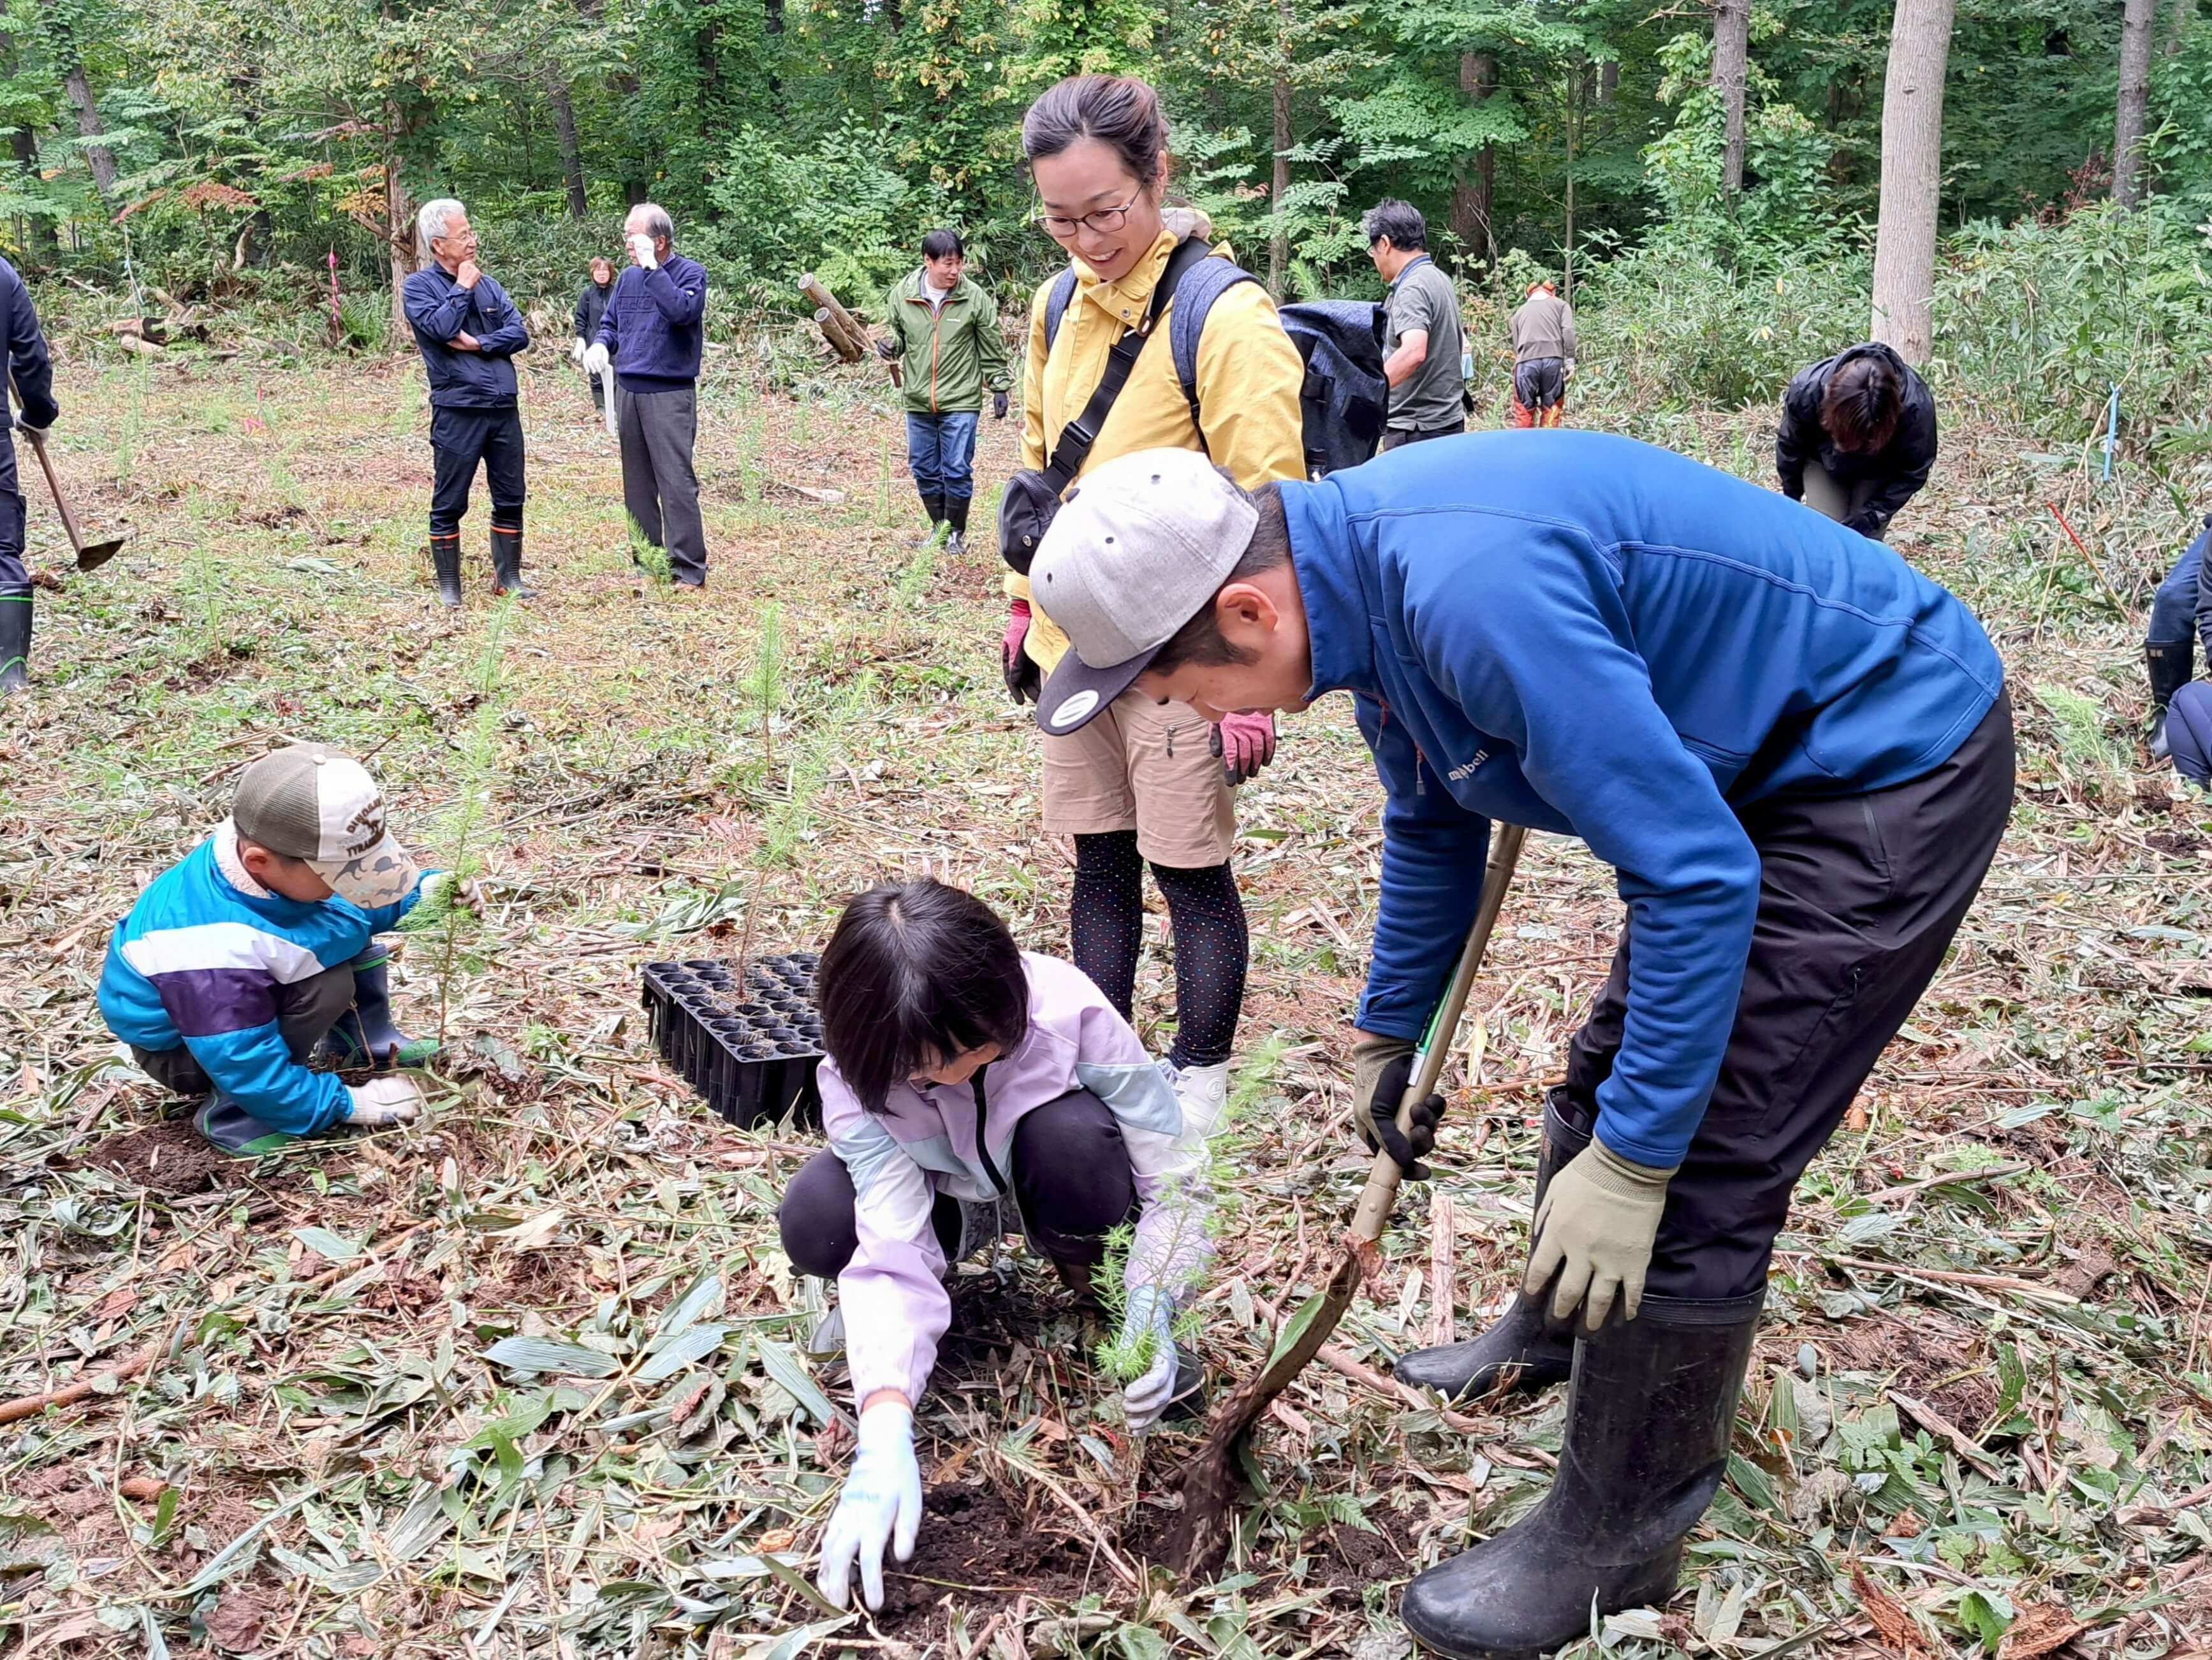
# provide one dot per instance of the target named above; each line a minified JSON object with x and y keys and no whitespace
{"x":1592,"y":1241}
{"x":382,"y":1102}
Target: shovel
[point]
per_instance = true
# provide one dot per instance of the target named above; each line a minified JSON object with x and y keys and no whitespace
{"x":607,"y":400}
{"x":88,"y":557}
{"x":1198,"y":1544}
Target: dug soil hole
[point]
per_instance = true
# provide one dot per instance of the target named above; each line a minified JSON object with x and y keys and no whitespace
{"x":976,"y":1552}
{"x":171,"y":1157}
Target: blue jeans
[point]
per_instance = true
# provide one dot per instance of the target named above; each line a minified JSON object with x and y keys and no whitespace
{"x":941,"y":451}
{"x":2183,"y":604}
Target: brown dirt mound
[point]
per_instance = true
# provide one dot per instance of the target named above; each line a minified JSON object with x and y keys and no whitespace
{"x":171,"y":1157}
{"x":975,"y":1553}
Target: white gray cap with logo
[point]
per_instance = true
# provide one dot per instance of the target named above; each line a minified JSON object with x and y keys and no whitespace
{"x":310,"y":802}
{"x":1143,"y":541}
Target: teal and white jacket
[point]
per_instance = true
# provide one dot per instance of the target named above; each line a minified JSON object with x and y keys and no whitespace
{"x":198,"y":962}
{"x":956,"y":1140}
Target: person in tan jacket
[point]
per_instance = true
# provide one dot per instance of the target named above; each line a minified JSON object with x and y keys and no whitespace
{"x":1543,"y":357}
{"x":1146,"y":781}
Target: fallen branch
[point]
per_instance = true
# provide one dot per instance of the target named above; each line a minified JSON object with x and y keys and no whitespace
{"x":30,"y":1406}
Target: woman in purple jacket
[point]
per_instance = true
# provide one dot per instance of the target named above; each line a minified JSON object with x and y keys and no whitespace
{"x":963,"y":1071}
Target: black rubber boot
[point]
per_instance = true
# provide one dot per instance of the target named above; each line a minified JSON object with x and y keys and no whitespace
{"x":934,"y":507}
{"x":1519,"y":1355}
{"x":232,"y":1128}
{"x":446,"y":560}
{"x":507,"y":564}
{"x":1648,"y":1419}
{"x":15,"y":639}
{"x":366,"y":1034}
{"x":956,"y":515}
{"x":2168,"y":663}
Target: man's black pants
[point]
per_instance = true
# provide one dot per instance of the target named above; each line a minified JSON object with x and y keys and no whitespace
{"x":1859,"y":897}
{"x":1069,"y":1168}
{"x":459,"y":438}
{"x":1398,"y":436}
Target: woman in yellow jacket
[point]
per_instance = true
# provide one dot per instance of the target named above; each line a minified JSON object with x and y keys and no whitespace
{"x":1147,"y":782}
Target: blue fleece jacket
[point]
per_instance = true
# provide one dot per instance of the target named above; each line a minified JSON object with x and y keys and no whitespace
{"x":28,"y":365}
{"x":1585,"y":635}
{"x":197,"y":962}
{"x":655,"y":325}
{"x":439,"y":309}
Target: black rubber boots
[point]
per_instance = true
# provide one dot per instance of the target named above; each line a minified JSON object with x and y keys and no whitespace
{"x":1649,"y":1417}
{"x":15,"y":639}
{"x":1517,"y":1353}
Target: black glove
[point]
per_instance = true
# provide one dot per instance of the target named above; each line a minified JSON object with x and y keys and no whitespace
{"x":891,"y":350}
{"x":1379,"y":1129}
{"x":998,"y":406}
{"x":1025,"y":679}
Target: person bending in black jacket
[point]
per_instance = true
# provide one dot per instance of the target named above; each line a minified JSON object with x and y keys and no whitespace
{"x":469,"y":332}
{"x":1857,"y":438}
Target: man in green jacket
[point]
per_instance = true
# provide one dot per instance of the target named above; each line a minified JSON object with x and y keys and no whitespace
{"x":945,"y":336}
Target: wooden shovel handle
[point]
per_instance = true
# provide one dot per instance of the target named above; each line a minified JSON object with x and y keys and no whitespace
{"x":61,"y":502}
{"x":1382,"y":1189}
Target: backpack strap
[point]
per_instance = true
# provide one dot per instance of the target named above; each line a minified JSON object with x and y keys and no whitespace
{"x":1076,"y":438}
{"x":1055,"y":305}
{"x":1205,"y":282}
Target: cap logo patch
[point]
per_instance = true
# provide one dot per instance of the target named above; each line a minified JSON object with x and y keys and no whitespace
{"x":1075,"y":708}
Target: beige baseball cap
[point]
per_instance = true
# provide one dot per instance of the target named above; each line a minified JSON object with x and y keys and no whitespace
{"x":1141,"y":544}
{"x":309,"y":801}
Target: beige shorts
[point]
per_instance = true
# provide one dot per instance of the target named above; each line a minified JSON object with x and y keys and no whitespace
{"x":1146,"y":766}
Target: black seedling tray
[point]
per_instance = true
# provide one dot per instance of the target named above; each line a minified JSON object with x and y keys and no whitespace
{"x":749,"y":1048}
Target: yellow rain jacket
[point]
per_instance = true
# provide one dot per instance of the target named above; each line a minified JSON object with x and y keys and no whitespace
{"x":1249,"y":376}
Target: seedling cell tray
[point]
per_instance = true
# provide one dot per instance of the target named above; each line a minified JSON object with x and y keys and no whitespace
{"x":748,"y":1039}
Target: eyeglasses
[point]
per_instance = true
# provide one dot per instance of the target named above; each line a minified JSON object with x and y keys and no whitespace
{"x":1104,"y":222}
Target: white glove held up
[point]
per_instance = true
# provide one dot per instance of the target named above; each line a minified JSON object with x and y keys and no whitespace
{"x":1145,"y":1399}
{"x":384,"y":1101}
{"x":641,"y":250}
{"x":881,"y":1504}
{"x":595,"y":358}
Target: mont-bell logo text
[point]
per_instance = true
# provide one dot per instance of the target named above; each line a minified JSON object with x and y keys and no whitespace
{"x":1465,"y":768}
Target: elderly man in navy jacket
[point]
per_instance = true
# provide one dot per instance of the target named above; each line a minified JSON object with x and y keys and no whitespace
{"x":655,"y":328}
{"x":469,"y":331}
{"x":34,"y":373}
{"x":1796,"y":753}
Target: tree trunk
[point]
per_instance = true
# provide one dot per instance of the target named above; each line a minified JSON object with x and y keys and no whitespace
{"x":399,"y":212}
{"x":1475,"y":179}
{"x":89,"y":125}
{"x":1911,"y":176}
{"x":1731,"y":66}
{"x":772,"y":26}
{"x":1575,"y":78}
{"x":39,"y":232}
{"x":572,"y":153}
{"x":636,"y":186}
{"x":2177,"y":25}
{"x":2136,"y":23}
{"x":1278,"y":243}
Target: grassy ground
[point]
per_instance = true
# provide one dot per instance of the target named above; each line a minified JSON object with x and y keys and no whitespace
{"x":1981,"y":1397}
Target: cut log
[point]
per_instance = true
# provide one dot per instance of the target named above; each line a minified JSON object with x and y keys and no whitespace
{"x":850,"y":339}
{"x":839,"y":341}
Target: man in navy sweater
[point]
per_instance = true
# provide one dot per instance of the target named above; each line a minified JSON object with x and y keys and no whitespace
{"x":1795,"y":751}
{"x":469,"y":331}
{"x":34,"y":373}
{"x":655,"y":327}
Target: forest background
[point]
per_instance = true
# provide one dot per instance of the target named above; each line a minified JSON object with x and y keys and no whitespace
{"x":1705,"y":172}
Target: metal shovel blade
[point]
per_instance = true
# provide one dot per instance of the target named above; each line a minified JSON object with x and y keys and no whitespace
{"x":98,"y":552}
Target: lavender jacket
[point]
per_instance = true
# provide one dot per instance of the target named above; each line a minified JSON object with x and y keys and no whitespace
{"x":925,"y":1144}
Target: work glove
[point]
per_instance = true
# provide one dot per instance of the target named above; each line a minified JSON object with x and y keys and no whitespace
{"x":1023,"y":680}
{"x":577,"y":349}
{"x":1150,"y":1313}
{"x":1592,"y":1242}
{"x":595,"y":358}
{"x":382,"y":1102}
{"x":999,"y":406}
{"x":1245,"y":744}
{"x":881,"y":1504}
{"x":1570,"y":368}
{"x":641,"y":250}
{"x":443,"y":887}
{"x":891,"y":350}
{"x":25,"y":427}
{"x":1381,"y":1069}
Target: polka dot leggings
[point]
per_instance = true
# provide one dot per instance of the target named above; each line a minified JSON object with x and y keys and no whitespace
{"x":1106,"y":928}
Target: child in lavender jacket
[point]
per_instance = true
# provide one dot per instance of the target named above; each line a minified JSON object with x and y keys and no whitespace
{"x":962,"y":1068}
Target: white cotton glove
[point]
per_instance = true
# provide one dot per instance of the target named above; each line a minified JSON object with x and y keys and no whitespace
{"x":382,"y":1102}
{"x":595,"y":358}
{"x":1150,"y":1313}
{"x":881,"y":1504}
{"x":577,"y":348}
{"x":1570,"y":366}
{"x":641,"y":250}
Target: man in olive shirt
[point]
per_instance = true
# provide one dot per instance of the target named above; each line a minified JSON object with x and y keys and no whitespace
{"x":1428,"y":384}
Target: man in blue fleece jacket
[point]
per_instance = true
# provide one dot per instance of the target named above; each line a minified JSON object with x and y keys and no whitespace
{"x":237,"y":966}
{"x":1795,"y":751}
{"x":656,"y":326}
{"x":468,"y":332}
